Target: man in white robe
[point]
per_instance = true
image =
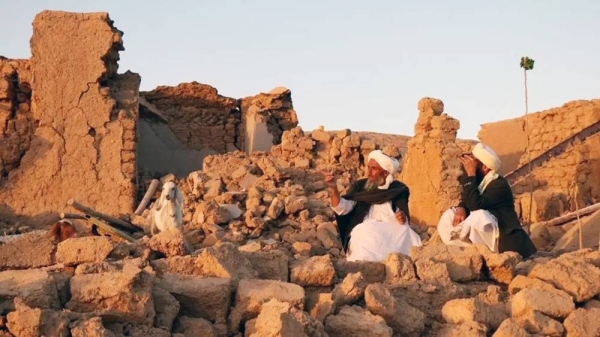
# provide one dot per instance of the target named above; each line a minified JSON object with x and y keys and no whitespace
{"x":485,"y":213}
{"x":373,"y":217}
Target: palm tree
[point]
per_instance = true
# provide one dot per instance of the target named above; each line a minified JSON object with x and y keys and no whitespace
{"x":527,"y":64}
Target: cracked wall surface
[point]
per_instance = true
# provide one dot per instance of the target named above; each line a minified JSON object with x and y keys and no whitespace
{"x":572,"y":174}
{"x":84,"y":146}
{"x":431,"y":167}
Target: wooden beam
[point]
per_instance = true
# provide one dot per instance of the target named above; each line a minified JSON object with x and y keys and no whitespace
{"x":149,"y":107}
{"x":108,"y":228}
{"x":64,"y":215}
{"x":571,"y":216}
{"x":88,"y":211}
{"x":146,"y":200}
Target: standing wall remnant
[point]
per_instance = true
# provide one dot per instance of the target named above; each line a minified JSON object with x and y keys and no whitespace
{"x":264,"y":119}
{"x":199,"y":122}
{"x":84,"y":146}
{"x":571,"y":174}
{"x":431,"y":166}
{"x":200,"y":117}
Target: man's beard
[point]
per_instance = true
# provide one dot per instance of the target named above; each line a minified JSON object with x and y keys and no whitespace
{"x":479,"y":175}
{"x":374,"y":182}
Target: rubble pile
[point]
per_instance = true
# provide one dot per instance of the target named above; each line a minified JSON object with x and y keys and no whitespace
{"x":258,"y":253}
{"x":91,"y":286}
{"x":266,"y":261}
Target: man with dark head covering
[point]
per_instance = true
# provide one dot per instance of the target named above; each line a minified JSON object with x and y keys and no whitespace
{"x":373,"y":217}
{"x":486,"y":212}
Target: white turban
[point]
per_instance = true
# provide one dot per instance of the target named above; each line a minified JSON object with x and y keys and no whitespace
{"x":387,"y":163}
{"x":487,"y":156}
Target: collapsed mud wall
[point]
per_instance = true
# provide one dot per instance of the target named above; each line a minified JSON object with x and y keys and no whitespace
{"x":199,"y":122}
{"x":571,"y":174}
{"x":199,"y":117}
{"x":84,"y":117}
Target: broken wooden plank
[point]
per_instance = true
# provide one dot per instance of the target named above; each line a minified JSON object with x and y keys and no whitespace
{"x":571,"y":216}
{"x":72,"y":216}
{"x":153,"y":110}
{"x":88,"y":211}
{"x":105,"y":227}
{"x":146,"y":199}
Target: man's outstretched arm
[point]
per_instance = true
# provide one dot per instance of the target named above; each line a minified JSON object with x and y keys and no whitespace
{"x":339,"y":205}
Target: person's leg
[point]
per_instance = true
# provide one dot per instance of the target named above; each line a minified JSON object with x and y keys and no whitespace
{"x":483,"y":229}
{"x":445,"y":229}
{"x":363,"y":243}
{"x":517,"y":241}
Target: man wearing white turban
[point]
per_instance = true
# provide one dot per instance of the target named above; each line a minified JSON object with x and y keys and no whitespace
{"x":486,"y":212}
{"x":373,"y":217}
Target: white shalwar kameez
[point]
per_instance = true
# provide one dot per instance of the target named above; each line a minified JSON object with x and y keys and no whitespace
{"x":479,"y":227}
{"x":379,"y":234}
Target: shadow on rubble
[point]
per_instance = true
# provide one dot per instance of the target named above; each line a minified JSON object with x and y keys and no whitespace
{"x":38,"y":149}
{"x":8,"y":219}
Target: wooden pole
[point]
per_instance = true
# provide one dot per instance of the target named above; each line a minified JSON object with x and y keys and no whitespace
{"x":528,"y":230}
{"x":570,"y":216}
{"x":146,"y":200}
{"x":64,"y":215}
{"x":73,"y":203}
{"x":94,"y":221}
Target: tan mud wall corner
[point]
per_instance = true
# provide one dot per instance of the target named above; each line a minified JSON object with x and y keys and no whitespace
{"x":84,"y":146}
{"x":572,"y":174}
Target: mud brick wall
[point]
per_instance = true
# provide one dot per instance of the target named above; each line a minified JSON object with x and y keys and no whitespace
{"x":16,"y":119}
{"x":431,"y":166}
{"x":84,"y":114}
{"x":264,"y":119}
{"x":573,"y":174}
{"x":199,"y":117}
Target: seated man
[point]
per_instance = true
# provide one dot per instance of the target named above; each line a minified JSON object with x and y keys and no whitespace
{"x":373,"y":217}
{"x":486,"y":212}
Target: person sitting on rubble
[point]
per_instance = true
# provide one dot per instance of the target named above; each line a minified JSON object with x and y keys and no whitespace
{"x":373,"y":217}
{"x":486,"y":212}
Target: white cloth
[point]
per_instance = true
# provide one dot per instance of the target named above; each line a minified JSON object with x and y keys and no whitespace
{"x":489,"y":177}
{"x":480,"y":226}
{"x":487,"y":156}
{"x":379,"y":234}
{"x":387,"y":163}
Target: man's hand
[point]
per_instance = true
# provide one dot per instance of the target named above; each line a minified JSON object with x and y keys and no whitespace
{"x":330,"y":179}
{"x":400,"y":217}
{"x":459,"y":216}
{"x":470,"y":164}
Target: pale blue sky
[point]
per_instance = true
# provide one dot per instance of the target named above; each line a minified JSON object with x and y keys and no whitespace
{"x":354,"y":64}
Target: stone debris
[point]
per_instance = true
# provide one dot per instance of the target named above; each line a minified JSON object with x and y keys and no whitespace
{"x":259,"y":252}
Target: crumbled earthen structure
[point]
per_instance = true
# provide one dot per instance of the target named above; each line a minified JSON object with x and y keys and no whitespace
{"x":265,"y":256}
{"x":82,"y":132}
{"x":264,"y":119}
{"x":198,"y":115}
{"x":570,"y":174}
{"x":431,"y":168}
{"x":199,"y":122}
